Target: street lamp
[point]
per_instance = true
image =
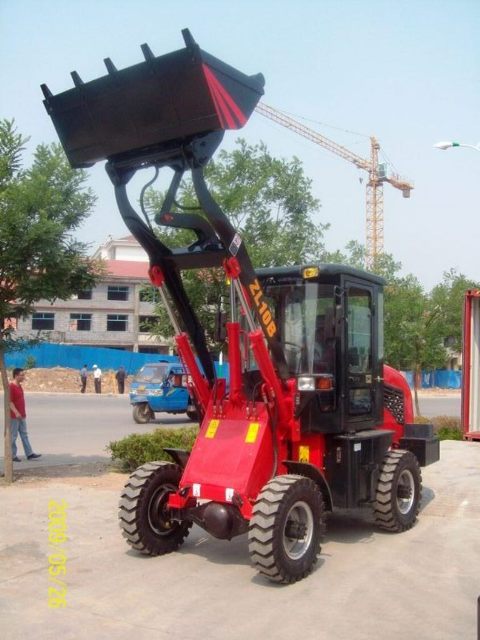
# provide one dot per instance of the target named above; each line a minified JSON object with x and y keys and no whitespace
{"x":447,"y":144}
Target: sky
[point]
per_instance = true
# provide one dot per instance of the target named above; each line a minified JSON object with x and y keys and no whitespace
{"x":407,"y":72}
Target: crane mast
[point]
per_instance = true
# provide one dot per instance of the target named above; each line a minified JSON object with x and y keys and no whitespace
{"x":376,"y":177}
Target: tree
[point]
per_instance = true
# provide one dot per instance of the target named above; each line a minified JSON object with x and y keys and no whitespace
{"x":413,"y":338}
{"x":268,"y":200}
{"x":448,"y":297}
{"x":39,"y":259}
{"x":353,"y":256}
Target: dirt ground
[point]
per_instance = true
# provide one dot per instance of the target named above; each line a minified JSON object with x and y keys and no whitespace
{"x":99,"y":475}
{"x":59,"y":379}
{"x":68,"y":381}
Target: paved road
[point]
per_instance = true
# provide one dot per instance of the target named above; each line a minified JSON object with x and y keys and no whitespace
{"x":441,"y":405}
{"x":72,"y":428}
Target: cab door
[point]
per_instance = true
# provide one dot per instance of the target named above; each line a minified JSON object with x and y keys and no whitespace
{"x":362,"y":378}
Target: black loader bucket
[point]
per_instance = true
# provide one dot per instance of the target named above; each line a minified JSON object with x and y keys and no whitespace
{"x":152,"y":106}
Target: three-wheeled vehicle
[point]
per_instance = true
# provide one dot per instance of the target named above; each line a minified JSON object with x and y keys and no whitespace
{"x":161,"y":387}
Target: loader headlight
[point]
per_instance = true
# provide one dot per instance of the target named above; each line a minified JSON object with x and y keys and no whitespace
{"x":306,"y":383}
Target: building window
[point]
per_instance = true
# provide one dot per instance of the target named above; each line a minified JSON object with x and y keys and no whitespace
{"x":149,"y":294}
{"x":147,"y":323}
{"x":117,"y":322}
{"x":86,"y":294}
{"x":43,"y":321}
{"x":117,"y":292}
{"x":80,"y":322}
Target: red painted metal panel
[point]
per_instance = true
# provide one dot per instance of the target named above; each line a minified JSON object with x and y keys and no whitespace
{"x":234,"y":453}
{"x":395,"y":379}
{"x":470,"y":431}
{"x":311,"y":449}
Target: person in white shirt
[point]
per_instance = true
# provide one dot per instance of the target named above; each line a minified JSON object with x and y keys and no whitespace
{"x":97,"y":378}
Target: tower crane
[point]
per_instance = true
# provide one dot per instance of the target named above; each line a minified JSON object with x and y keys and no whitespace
{"x":377,"y":176}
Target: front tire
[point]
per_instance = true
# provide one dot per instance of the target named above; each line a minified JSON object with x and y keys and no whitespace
{"x":399,"y":491}
{"x":144,"y":517}
{"x":286,"y":527}
{"x":142,"y":414}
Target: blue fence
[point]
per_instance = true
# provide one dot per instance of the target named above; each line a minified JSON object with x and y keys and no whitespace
{"x":74,"y":357}
{"x":442,"y":378}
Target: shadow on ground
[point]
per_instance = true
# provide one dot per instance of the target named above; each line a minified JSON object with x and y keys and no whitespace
{"x":60,"y":466}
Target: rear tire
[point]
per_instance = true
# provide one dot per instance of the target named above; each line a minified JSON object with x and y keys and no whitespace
{"x":286,"y":527}
{"x":192,"y":414}
{"x":142,"y":414}
{"x":399,"y":491}
{"x":144,"y":518}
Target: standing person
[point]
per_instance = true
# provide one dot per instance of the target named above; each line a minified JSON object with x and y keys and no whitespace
{"x":97,"y":378}
{"x":120,"y":377}
{"x":83,"y":378}
{"x":18,"y":417}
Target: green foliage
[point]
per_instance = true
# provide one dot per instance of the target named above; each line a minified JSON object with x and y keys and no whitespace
{"x":268,"y":201}
{"x":447,"y":299}
{"x":412,"y":341}
{"x":11,"y":147}
{"x":444,"y":427}
{"x":40,"y":207}
{"x":30,"y":362}
{"x":422,"y":420}
{"x":354,"y":255}
{"x":449,"y":433}
{"x":136,"y":449}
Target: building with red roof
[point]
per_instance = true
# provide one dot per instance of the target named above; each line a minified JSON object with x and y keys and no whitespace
{"x":119,"y":312}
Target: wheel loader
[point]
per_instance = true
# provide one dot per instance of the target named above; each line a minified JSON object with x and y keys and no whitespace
{"x":312,"y":419}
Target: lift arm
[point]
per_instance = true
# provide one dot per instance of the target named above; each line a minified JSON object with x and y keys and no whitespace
{"x":169,"y":111}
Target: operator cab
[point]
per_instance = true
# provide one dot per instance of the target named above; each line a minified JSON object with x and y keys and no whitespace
{"x":329,"y":324}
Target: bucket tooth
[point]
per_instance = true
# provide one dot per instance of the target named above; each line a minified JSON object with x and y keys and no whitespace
{"x":77,"y":81}
{"x":147,"y":52}
{"x":188,"y":39}
{"x":111,"y":68}
{"x":46,"y":91}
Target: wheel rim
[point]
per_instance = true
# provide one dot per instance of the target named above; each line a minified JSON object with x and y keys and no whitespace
{"x":158,"y":515}
{"x":405,"y":492}
{"x":298,"y":530}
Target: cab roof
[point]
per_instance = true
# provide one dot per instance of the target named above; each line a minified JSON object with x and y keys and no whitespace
{"x":327,"y":272}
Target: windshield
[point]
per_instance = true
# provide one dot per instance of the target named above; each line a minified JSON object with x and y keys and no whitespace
{"x":152,"y":373}
{"x":305,"y":319}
